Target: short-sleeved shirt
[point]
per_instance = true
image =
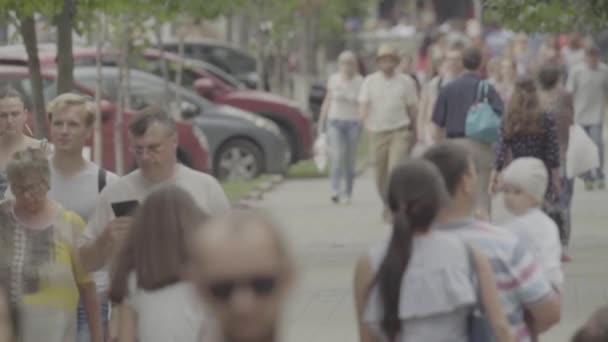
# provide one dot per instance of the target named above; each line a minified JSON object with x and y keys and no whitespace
{"x":40,"y":269}
{"x":454,"y":101}
{"x":204,"y":189}
{"x":388,"y":99}
{"x":520,"y":280}
{"x":539,"y":232}
{"x":343,"y":105}
{"x":437,"y":290}
{"x":589,"y":88}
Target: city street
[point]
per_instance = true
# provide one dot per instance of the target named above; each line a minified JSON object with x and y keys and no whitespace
{"x":327,"y":240}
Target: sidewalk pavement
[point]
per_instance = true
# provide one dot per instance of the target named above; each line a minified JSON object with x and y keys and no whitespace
{"x":327,"y":239}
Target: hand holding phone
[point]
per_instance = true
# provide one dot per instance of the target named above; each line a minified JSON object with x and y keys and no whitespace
{"x":124,"y":208}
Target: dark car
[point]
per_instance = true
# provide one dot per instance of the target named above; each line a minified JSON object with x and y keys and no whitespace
{"x":192,"y":144}
{"x":242,"y":144}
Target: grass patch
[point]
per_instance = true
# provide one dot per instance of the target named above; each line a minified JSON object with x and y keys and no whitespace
{"x":237,"y":189}
{"x":307,"y":168}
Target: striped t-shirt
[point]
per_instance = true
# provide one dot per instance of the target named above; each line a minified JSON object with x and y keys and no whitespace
{"x":520,"y":280}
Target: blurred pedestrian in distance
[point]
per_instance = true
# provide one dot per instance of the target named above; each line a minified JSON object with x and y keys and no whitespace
{"x":391,"y":279}
{"x":13,"y":124}
{"x":243,"y":272}
{"x":148,"y":282}
{"x":450,"y":114}
{"x":524,"y":289}
{"x":554,"y":99}
{"x":40,"y":264}
{"x":8,"y":318}
{"x":574,"y":52}
{"x":407,"y":66}
{"x":494,"y":74}
{"x":521,"y":54}
{"x":153,"y":142}
{"x":388,"y":105}
{"x":427,"y":101}
{"x":595,"y":329}
{"x":508,"y":76}
{"x":588,"y":84}
{"x":340,"y":119}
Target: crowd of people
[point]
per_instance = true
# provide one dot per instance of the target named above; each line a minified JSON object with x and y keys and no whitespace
{"x":159,"y":255}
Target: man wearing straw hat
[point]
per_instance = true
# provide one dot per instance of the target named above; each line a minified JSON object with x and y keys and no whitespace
{"x":388,"y":106}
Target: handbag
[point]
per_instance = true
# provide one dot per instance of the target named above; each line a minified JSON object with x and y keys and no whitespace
{"x":482,"y":123}
{"x":582,"y":154}
{"x":479,"y":327}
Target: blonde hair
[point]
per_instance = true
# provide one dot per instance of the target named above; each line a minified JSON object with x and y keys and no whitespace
{"x":64,"y":101}
{"x":27,"y":162}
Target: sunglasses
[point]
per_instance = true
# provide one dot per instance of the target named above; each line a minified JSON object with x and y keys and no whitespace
{"x":223,"y":290}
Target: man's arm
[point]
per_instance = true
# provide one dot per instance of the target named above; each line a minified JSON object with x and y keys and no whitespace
{"x":364,"y":101}
{"x":88,"y":293}
{"x":440,"y":113}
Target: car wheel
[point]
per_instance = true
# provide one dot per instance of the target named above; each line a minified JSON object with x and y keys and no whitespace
{"x":238,"y":159}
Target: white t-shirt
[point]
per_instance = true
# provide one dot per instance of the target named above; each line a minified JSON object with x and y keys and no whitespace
{"x":540,"y":233}
{"x":589,"y":89}
{"x":206,"y":191}
{"x":344,"y":105}
{"x":388,"y":99}
{"x":79,"y":194}
{"x":169,"y":314}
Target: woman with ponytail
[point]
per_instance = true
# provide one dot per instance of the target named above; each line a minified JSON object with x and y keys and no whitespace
{"x":421,"y":285}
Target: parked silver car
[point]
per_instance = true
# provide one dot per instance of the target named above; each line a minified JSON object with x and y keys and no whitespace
{"x":242,"y":144}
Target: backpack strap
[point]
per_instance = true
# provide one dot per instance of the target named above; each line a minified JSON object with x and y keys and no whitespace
{"x":482,"y":91}
{"x":101,"y":179}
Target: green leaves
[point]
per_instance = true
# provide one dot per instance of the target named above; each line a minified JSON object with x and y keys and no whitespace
{"x":548,"y":15}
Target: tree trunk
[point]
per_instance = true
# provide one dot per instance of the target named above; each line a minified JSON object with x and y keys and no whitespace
{"x":163,"y":62}
{"x":260,"y":44}
{"x":28,"y":32}
{"x":122,"y":102}
{"x":65,"y":59}
{"x":97,"y":136}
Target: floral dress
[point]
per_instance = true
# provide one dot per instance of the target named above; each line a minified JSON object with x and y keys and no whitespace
{"x":544,"y":146}
{"x":39,"y":269}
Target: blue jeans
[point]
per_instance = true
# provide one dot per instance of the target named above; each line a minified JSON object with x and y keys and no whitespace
{"x":343,"y":137}
{"x":595,"y":132}
{"x":84,"y":334}
{"x":565,"y":200}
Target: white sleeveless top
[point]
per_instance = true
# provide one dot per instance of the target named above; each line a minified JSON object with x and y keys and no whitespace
{"x":170,"y":314}
{"x":436,"y":295}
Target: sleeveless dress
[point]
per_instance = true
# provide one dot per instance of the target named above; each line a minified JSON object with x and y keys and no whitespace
{"x":436,"y":295}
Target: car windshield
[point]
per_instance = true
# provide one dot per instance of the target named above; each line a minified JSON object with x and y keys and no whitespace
{"x":220,"y":74}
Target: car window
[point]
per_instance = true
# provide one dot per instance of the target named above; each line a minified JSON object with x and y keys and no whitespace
{"x":236,"y":62}
{"x":109,"y":88}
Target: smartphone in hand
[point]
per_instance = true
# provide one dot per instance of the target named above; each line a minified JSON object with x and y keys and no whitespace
{"x":125,"y":208}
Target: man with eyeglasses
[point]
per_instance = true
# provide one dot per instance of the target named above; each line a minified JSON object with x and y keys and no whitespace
{"x":243,"y":272}
{"x":153,"y":142}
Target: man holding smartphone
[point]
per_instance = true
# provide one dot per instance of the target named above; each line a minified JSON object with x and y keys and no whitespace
{"x":153,"y":140}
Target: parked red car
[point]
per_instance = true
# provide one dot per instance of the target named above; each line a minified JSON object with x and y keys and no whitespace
{"x":193,"y":145}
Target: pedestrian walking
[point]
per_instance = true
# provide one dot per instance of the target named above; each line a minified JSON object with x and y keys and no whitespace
{"x":75,"y":184}
{"x":243,"y":272}
{"x":524,"y":289}
{"x":588,"y":84}
{"x":450,"y":116}
{"x":156,"y":303}
{"x":13,"y":119}
{"x":153,"y":141}
{"x":393,"y":298}
{"x":555,"y":100}
{"x":388,"y":106}
{"x":40,"y":266}
{"x":340,"y":118}
{"x":525,"y":183}
{"x":508,"y":76}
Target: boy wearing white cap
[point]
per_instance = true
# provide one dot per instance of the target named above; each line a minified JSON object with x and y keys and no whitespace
{"x":525,"y":183}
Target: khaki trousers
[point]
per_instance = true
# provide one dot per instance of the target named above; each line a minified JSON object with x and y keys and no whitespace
{"x":389,"y":148}
{"x":483,"y":155}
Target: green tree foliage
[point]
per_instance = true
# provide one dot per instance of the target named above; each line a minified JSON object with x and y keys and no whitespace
{"x":548,"y":15}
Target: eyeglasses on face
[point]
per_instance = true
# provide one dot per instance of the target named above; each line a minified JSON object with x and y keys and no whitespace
{"x":223,"y":289}
{"x":36,"y":187}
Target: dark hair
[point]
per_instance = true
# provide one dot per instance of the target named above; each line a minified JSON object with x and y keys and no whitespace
{"x":595,"y":329}
{"x":157,"y":246}
{"x":453,"y":162}
{"x":416,"y":192}
{"x":148,"y":116}
{"x":524,"y":114}
{"x":10,"y":92}
{"x":549,"y":76}
{"x":471,"y":58}
{"x":458,"y":45}
{"x":592,"y":51}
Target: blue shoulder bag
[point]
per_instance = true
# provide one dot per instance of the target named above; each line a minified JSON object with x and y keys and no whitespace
{"x":482,"y":123}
